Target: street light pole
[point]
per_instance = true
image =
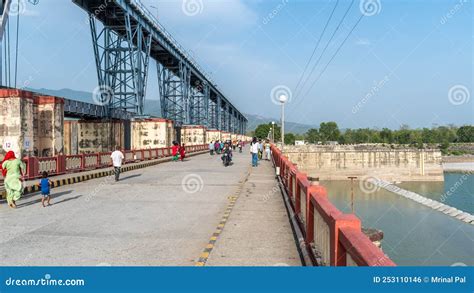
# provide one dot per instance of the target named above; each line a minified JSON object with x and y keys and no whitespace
{"x":273,"y":131}
{"x":283,"y":100}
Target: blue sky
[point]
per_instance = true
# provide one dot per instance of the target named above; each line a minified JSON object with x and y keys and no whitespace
{"x":398,"y":67}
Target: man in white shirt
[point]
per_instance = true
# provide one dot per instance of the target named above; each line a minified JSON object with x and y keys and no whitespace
{"x":117,"y":158}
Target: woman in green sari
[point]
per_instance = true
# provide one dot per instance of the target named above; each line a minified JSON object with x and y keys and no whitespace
{"x":12,"y":170}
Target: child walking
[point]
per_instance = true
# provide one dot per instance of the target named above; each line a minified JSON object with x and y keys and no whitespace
{"x":45,"y":189}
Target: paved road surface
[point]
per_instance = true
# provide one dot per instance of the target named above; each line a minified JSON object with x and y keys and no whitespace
{"x":148,"y":218}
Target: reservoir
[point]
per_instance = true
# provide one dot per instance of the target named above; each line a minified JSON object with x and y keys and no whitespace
{"x":415,"y":235}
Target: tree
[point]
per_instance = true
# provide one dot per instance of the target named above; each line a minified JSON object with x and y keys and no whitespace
{"x":465,"y":133}
{"x":263,"y":130}
{"x":312,"y":135}
{"x":290,"y":138}
{"x":386,"y":135}
{"x":329,"y":131}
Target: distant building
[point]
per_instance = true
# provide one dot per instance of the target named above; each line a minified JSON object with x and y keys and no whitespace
{"x":299,"y":142}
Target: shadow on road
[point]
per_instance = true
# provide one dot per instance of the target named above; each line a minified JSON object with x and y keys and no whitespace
{"x":38,"y":200}
{"x":66,"y":199}
{"x":130,"y":177}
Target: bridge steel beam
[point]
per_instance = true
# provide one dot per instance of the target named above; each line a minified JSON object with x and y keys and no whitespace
{"x":199,"y":104}
{"x":219,"y":113}
{"x":174,"y":93}
{"x":122,"y":64}
{"x":212,"y":114}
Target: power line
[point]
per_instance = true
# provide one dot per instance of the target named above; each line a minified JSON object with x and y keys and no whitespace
{"x":17,"y":39}
{"x":316,"y":47}
{"x":334,"y":55}
{"x":327,"y":44}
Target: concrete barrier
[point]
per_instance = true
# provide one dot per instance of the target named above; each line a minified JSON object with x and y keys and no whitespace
{"x":86,"y":167}
{"x":333,"y":238}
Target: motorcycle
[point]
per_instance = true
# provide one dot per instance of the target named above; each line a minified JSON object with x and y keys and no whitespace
{"x":226,"y":159}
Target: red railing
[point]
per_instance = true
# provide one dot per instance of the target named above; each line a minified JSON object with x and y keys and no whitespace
{"x":332,"y":237}
{"x":76,"y":163}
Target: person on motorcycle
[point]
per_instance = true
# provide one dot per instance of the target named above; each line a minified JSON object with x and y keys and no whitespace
{"x":227,"y":151}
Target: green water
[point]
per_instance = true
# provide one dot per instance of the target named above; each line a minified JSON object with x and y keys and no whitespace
{"x":415,"y":235}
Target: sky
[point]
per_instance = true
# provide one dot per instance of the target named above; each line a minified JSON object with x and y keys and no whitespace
{"x":405,"y":63}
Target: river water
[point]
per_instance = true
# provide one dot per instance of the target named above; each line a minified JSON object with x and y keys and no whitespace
{"x":415,"y":235}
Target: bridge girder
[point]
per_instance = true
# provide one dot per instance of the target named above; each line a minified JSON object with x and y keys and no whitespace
{"x":122,"y":61}
{"x":130,"y":36}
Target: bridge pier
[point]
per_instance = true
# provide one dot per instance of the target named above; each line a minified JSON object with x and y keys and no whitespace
{"x":31,"y":124}
{"x":121,"y":70}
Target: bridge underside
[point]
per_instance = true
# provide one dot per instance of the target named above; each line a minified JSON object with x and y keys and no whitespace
{"x":125,"y":36}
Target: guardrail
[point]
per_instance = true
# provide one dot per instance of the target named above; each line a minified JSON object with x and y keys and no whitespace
{"x":63,"y":164}
{"x":332,"y":237}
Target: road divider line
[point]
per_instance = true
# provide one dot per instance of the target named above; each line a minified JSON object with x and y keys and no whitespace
{"x":202,"y":260}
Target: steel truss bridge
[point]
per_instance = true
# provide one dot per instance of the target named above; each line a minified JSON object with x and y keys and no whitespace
{"x":125,"y":36}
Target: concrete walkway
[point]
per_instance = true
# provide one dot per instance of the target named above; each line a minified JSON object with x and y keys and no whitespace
{"x":258,"y":231}
{"x":160,"y":215}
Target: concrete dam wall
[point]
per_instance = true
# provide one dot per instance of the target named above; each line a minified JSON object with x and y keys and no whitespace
{"x":339,"y":162}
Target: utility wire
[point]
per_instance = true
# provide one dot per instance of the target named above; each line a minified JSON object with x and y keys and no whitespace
{"x":316,"y":47}
{"x":334,"y":55}
{"x":8,"y":54}
{"x":17,"y":39}
{"x":327,"y":44}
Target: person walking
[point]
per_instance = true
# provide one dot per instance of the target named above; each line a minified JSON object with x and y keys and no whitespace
{"x":117,"y":158}
{"x":254,"y":147}
{"x":182,"y":152}
{"x":12,"y":171}
{"x":211,"y":148}
{"x":267,"y":150}
{"x":175,"y":151}
{"x":45,"y":187}
{"x":260,"y":149}
{"x":216,"y":147}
